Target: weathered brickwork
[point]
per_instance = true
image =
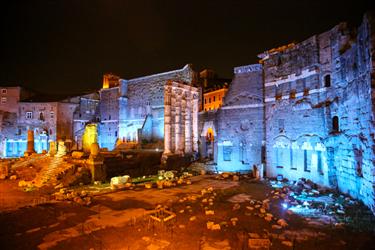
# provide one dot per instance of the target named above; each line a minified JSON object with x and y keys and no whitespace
{"x":238,"y":125}
{"x":132,"y":111}
{"x":306,"y":111}
{"x":86,"y":112}
{"x":318,"y":112}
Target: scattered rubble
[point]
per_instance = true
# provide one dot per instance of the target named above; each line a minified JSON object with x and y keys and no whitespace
{"x":82,"y":198}
{"x":304,"y":197}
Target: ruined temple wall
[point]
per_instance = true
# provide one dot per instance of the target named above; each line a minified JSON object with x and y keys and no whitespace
{"x":145,"y":97}
{"x":64,"y":121}
{"x":303,"y":138}
{"x":295,"y":115}
{"x":109,"y":117}
{"x":353,"y":145}
{"x":240,"y":121}
{"x":87,"y":111}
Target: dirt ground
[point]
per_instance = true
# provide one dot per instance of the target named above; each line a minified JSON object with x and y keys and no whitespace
{"x":120,"y":220}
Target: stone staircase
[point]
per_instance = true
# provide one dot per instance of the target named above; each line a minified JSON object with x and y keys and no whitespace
{"x":50,"y":171}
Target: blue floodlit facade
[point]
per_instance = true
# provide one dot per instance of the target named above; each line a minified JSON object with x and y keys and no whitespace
{"x":307,"y":110}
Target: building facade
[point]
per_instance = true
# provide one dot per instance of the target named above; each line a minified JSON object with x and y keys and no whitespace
{"x":306,"y":111}
{"x":213,"y":100}
{"x":132,"y":111}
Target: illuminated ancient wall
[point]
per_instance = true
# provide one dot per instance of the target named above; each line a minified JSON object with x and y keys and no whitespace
{"x":240,"y":121}
{"x":109,"y":117}
{"x":87,"y":111}
{"x":143,"y":98}
{"x":318,"y":111}
{"x":181,"y":105}
{"x":133,"y":110}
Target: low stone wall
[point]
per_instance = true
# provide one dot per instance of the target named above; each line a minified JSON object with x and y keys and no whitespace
{"x":133,"y":164}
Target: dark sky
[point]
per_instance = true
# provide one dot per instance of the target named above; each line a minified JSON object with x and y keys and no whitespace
{"x":66,"y":46}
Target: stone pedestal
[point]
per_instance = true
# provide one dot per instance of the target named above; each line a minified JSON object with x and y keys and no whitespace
{"x":89,"y":137}
{"x":95,"y":163}
{"x":61,"y":149}
{"x":52,"y":148}
{"x":4,"y":170}
{"x":30,"y":143}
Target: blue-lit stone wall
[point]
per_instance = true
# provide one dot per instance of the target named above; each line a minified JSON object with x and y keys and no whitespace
{"x":295,"y":113}
{"x":144,"y":97}
{"x":109,"y":117}
{"x":240,"y":121}
{"x":302,"y":103}
{"x":353,"y":79}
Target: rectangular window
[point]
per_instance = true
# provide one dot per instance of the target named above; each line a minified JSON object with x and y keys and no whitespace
{"x":320,"y":163}
{"x":52,"y":114}
{"x":214,"y":98}
{"x":295,"y":157}
{"x":219,"y":97}
{"x":306,"y":161}
{"x":205,"y":100}
{"x":29,"y":115}
{"x":3,"y":100}
{"x":209,"y":100}
{"x":4,"y":91}
{"x":291,"y":157}
{"x":227,"y":153}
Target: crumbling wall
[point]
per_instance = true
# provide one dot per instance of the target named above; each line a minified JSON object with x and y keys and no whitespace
{"x":294,"y":112}
{"x":145,"y":97}
{"x":353,"y":144}
{"x":240,"y":121}
{"x":87,"y":111}
{"x":64,"y":122}
{"x":319,"y":110}
{"x":109,"y":117}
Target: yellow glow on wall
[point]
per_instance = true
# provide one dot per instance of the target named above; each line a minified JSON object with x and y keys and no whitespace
{"x":89,"y":137}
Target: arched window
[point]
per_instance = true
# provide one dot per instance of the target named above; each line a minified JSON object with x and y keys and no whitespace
{"x":335,"y":124}
{"x":327,"y":81}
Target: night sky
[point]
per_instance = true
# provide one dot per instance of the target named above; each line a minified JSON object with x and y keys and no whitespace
{"x":66,"y":46}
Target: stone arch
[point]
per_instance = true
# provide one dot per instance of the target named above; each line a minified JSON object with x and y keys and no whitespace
{"x":282,"y":148}
{"x":312,"y":153}
{"x":208,"y":125}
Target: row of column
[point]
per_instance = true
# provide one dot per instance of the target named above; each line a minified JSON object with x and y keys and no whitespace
{"x":180,"y":118}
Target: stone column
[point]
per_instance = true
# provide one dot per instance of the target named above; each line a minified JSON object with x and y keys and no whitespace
{"x":183,"y":123}
{"x":167,"y":121}
{"x":61,"y":149}
{"x":188,"y":146}
{"x":195,"y":121}
{"x":96,"y":164}
{"x":30,"y":143}
{"x":52,"y":148}
{"x":177,"y":125}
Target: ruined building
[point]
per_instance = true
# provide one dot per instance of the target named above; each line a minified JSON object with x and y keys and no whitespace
{"x":150,"y":109}
{"x":307,"y":110}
